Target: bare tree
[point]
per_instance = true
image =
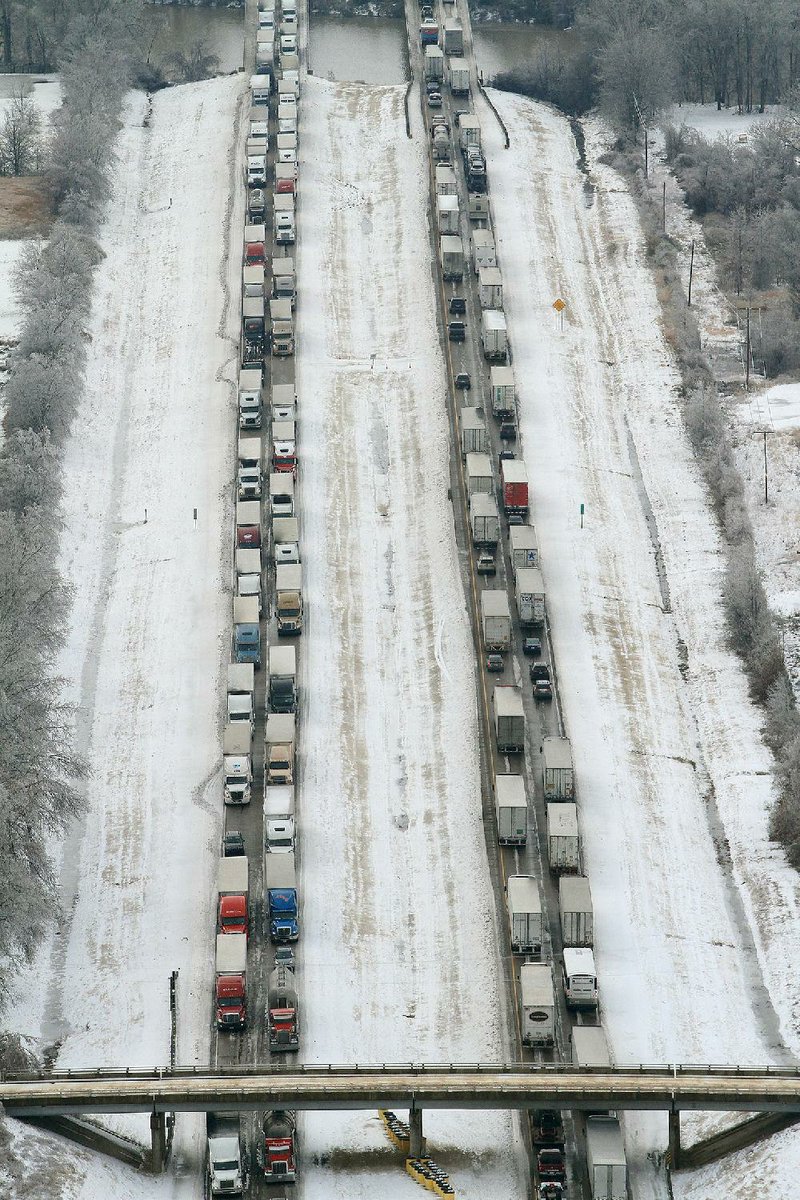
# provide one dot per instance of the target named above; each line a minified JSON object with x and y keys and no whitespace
{"x":21,"y":137}
{"x":197,"y":64}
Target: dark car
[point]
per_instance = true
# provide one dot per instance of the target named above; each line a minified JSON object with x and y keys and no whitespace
{"x":516,"y":519}
{"x":542,"y":684}
{"x":494,"y":662}
{"x":457,"y":331}
{"x":284,"y":957}
{"x":508,"y":431}
{"x":486,"y":564}
{"x":232,"y":844}
{"x":426,"y":12}
{"x":463,"y":381}
{"x":531,"y":646}
{"x":434,"y":99}
{"x":505,"y":453}
{"x":458,"y":304}
{"x":432,"y":85}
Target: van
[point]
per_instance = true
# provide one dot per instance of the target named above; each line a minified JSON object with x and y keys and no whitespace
{"x":256,"y":171}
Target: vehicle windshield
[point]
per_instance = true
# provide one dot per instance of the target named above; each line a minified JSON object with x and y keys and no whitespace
{"x":230,"y":1002}
{"x":233,"y":782}
{"x":233,"y":920}
{"x":281,"y":842}
{"x":289,"y":611}
{"x":226,"y":1164}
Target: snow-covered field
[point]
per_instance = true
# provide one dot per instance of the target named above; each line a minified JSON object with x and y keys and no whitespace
{"x":673,"y":780}
{"x":399,"y":948}
{"x":728,"y":122}
{"x":153,"y":442}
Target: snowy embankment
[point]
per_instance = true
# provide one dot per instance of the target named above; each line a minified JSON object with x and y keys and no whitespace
{"x":672,"y":774}
{"x":152,"y":447}
{"x":399,"y":958}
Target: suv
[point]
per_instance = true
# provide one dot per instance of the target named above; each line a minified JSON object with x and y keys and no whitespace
{"x":458,"y":304}
{"x":508,"y":431}
{"x":463,"y":381}
{"x":232,"y":844}
{"x":486,"y":564}
{"x":542,"y":684}
{"x":434,"y":99}
{"x":457,"y":331}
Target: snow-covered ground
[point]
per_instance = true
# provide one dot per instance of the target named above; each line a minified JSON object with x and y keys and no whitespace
{"x":399,"y":945}
{"x":44,"y":90}
{"x":153,"y":442}
{"x":674,"y":783}
{"x":728,"y":122}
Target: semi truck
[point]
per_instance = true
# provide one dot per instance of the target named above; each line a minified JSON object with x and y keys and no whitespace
{"x":459,"y":76}
{"x":559,"y":776}
{"x":469,"y":131}
{"x":283,"y":277}
{"x":250,"y":398}
{"x":230,"y":981}
{"x":446,"y":181}
{"x":484,"y":520}
{"x":523,"y":546}
{"x":503,"y":391}
{"x":248,"y":579}
{"x":284,"y":402}
{"x":447,"y":210}
{"x":508,"y":716}
{"x":233,"y":895}
{"x":252,"y":348}
{"x":281,"y":889}
{"x":575,"y":908}
{"x":282,"y":679}
{"x":494,"y":337}
{"x":474,"y":439}
{"x":514,"y":485}
{"x":605,"y":1159}
{"x":279,"y":748}
{"x":237,"y":767}
{"x":511,"y":810}
{"x":563,"y":838}
{"x":289,"y":598}
{"x":433,"y":63}
{"x":281,"y":493}
{"x":490,"y":287}
{"x":495,"y":620}
{"x":478,"y":208}
{"x":253,"y":277}
{"x":282,"y":1012}
{"x":281,"y":328}
{"x":537,"y":1002}
{"x":246,"y":633}
{"x":479,"y":475}
{"x":524,"y":914}
{"x":286,"y":539}
{"x":278,"y":819}
{"x":248,"y":523}
{"x":225,"y":1175}
{"x":529,"y":594}
{"x":451,"y":254}
{"x":278,"y":1154}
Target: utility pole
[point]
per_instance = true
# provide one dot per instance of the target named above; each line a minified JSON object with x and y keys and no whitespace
{"x":764,"y":433}
{"x":747,"y":366}
{"x":691,"y":272}
{"x":664,"y":208}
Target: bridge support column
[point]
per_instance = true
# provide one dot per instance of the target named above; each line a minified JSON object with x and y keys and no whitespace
{"x":675,"y":1139}
{"x":416,"y":1142}
{"x":158,"y":1142}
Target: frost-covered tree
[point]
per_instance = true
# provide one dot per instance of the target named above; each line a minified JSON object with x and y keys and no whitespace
{"x":21,"y":137}
{"x":29,"y":473}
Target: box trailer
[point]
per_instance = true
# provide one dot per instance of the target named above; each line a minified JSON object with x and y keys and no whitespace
{"x":448,"y":215}
{"x":479,"y":475}
{"x":538,"y":1004}
{"x":589,"y":1046}
{"x":514,"y":485}
{"x":495,"y":620}
{"x":446,"y":181}
{"x":433,"y":63}
{"x":490,"y":287}
{"x":469,"y":131}
{"x":605,"y":1159}
{"x":559,"y":780}
{"x":503,"y":391}
{"x":483,"y":249}
{"x":575,"y":907}
{"x":478,"y":208}
{"x":529,"y":594}
{"x":458,"y":76}
{"x":524,"y":914}
{"x":563,"y":839}
{"x":484,"y":520}
{"x":453,"y":36}
{"x":508,"y":716}
{"x":494,"y":335}
{"x":474,"y":439}
{"x":451,"y":254}
{"x":511,"y":810}
{"x":523,"y":542}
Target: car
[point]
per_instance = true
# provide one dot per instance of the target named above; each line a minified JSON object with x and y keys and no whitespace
{"x":552,"y":1189}
{"x":457,"y":331}
{"x":542,"y":684}
{"x":426,"y":12}
{"x":463,"y":381}
{"x":284,"y":957}
{"x":434,"y":99}
{"x":458,"y":304}
{"x":505,"y":454}
{"x":508,"y":431}
{"x":433,"y":85}
{"x":516,"y":519}
{"x":550,"y":1164}
{"x":486,"y":564}
{"x":532,"y":647}
{"x":494,"y":662}
{"x":232,"y":844}
{"x":257,"y":203}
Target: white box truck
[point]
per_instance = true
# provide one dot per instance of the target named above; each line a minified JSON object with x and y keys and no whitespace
{"x":483,"y":249}
{"x":451,"y":255}
{"x":529,"y":595}
{"x":469,"y":131}
{"x":479,"y":475}
{"x":511,"y":810}
{"x":575,"y":907}
{"x":433,"y":63}
{"x":446,"y":181}
{"x":524,"y":914}
{"x":494,"y":336}
{"x":490,"y":287}
{"x":448,"y":215}
{"x":503,"y":391}
{"x":495,"y":620}
{"x":474,"y":439}
{"x":559,"y":776}
{"x":563,"y":839}
{"x":605,"y":1159}
{"x":538,"y":1004}
{"x":459,"y":76}
{"x":484,"y":520}
{"x":453,"y":36}
{"x":508,"y":716}
{"x":523,"y":542}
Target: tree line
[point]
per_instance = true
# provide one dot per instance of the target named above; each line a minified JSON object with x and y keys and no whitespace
{"x":40,"y":773}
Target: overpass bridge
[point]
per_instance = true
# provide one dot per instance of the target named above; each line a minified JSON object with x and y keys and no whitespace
{"x":773,"y":1092}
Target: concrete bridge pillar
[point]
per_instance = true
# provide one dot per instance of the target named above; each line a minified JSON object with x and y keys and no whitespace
{"x":416,"y":1142}
{"x":675,"y":1139}
{"x":158,"y":1142}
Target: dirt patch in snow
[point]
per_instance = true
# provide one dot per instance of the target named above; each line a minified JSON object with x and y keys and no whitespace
{"x":26,"y":207}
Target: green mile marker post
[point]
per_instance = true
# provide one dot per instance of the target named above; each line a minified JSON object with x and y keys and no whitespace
{"x":582,"y":511}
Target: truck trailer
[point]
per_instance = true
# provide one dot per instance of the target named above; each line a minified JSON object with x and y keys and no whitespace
{"x":451,"y":255}
{"x":529,"y":594}
{"x":474,"y":439}
{"x":484,"y":520}
{"x":605,"y":1159}
{"x":538,"y":1004}
{"x":563,"y":838}
{"x":575,"y":907}
{"x":524,"y":914}
{"x":495,"y":620}
{"x":523,"y":545}
{"x":559,"y":777}
{"x":508,"y":716}
{"x":479,"y":475}
{"x":511,"y":810}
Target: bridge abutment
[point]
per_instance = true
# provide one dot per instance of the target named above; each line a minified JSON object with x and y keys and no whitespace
{"x":674,"y":1139}
{"x":416,"y":1141}
{"x":158,"y":1142}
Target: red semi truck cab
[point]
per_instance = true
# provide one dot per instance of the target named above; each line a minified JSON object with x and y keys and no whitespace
{"x":279,"y":1149}
{"x":233,"y":916}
